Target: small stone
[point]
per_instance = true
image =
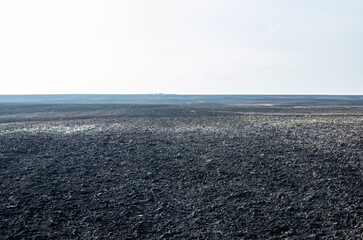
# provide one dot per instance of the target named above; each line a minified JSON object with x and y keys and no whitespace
{"x":23,"y":223}
{"x":73,"y":230}
{"x":87,"y":219}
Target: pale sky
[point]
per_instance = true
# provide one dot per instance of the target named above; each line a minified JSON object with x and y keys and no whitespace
{"x":181,"y":46}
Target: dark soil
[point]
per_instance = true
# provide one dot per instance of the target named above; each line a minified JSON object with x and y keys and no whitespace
{"x":180,"y":172}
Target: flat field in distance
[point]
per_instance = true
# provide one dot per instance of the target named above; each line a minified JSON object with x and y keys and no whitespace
{"x":180,"y":172}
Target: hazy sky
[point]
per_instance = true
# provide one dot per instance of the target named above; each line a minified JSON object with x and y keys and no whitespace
{"x":181,"y":46}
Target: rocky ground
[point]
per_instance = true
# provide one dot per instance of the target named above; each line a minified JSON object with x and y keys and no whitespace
{"x":180,"y":172}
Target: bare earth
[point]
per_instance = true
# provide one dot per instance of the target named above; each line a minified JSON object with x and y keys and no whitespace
{"x":180,"y":172}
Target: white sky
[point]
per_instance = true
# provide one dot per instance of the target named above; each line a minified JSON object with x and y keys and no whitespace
{"x":181,"y":46}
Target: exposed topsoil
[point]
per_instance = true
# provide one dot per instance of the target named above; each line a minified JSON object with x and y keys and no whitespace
{"x":180,"y":172}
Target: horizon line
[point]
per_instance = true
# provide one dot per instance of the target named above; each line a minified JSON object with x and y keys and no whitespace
{"x":189,"y":94}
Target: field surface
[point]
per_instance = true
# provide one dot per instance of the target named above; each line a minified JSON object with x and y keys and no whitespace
{"x":180,"y":172}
